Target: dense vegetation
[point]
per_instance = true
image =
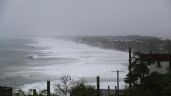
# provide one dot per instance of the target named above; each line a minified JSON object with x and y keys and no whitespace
{"x":145,"y":83}
{"x":65,"y":87}
{"x":83,"y":90}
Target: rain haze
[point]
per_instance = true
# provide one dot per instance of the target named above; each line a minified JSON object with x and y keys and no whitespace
{"x":85,"y":17}
{"x":80,"y":38}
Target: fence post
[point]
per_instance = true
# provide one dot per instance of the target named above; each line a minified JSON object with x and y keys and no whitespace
{"x":34,"y":92}
{"x":116,"y":91}
{"x":98,"y":86}
{"x":48,"y":88}
{"x":108,"y":90}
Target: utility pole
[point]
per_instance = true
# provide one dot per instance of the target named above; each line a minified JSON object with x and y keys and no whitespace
{"x":130,"y":72}
{"x":117,"y":80}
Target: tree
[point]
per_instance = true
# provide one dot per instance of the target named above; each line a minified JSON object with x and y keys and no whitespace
{"x":165,"y":85}
{"x":139,"y":69}
{"x":20,"y":93}
{"x":83,"y":90}
{"x":43,"y":93}
{"x":152,"y":84}
{"x":63,"y":87}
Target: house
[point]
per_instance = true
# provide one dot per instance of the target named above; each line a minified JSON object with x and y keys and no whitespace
{"x":162,"y":62}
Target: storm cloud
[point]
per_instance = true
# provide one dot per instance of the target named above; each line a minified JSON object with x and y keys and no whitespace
{"x":85,"y":17}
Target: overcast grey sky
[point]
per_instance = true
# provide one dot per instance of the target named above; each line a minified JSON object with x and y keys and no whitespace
{"x":85,"y":17}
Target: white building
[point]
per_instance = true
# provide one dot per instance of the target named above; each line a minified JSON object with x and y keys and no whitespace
{"x":162,"y":62}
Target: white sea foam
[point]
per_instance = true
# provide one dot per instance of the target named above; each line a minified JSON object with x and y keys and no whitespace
{"x":77,"y":60}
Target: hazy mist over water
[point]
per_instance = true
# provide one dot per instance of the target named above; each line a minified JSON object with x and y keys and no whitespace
{"x":57,"y":57}
{"x":85,"y":17}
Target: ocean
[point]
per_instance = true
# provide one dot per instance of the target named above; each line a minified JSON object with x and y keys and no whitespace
{"x":28,"y":63}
